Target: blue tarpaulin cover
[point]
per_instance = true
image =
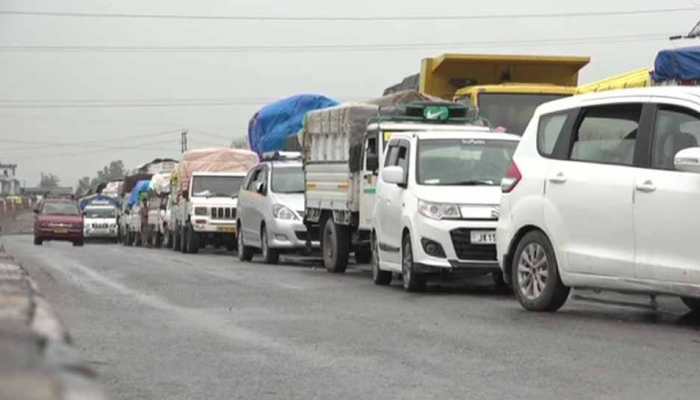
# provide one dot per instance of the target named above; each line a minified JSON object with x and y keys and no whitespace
{"x":678,"y":64}
{"x":141,"y":186}
{"x":274,"y":124}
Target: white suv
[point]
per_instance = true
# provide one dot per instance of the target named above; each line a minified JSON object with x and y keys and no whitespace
{"x":437,"y":204}
{"x":603,"y":193}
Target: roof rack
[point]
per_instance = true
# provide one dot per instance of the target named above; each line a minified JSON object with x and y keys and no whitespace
{"x":281,"y":156}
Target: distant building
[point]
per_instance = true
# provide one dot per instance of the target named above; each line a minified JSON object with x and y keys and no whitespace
{"x":9,"y":184}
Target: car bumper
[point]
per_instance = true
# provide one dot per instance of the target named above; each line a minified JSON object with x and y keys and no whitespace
{"x":59,"y":234}
{"x":453,"y":237}
{"x":227,"y":227}
{"x":100,"y":233}
{"x":285,"y":234}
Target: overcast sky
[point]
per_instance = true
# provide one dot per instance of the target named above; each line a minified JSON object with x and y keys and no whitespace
{"x":46,"y":138}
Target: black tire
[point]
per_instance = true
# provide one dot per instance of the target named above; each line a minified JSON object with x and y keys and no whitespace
{"x":38,"y":241}
{"x":183,"y":240}
{"x":691,"y":302}
{"x":79,"y":243}
{"x":535,"y":274}
{"x":379,"y":277}
{"x":192,"y":241}
{"x":412,"y":281}
{"x":335,"y":247}
{"x":270,"y":255}
{"x":363,"y":254}
{"x":157,"y":240}
{"x":245,"y":253}
{"x":176,"y":239}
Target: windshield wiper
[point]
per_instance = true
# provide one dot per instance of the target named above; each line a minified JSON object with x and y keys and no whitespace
{"x":475,"y":182}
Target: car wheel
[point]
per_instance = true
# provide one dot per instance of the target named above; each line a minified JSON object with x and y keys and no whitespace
{"x":536,"y":280}
{"x":412,"y":281}
{"x":692,"y":303}
{"x":78,"y":243}
{"x":270,"y":255}
{"x":334,"y":246}
{"x":379,"y":277}
{"x":245,"y":253}
{"x":363,"y":254}
{"x":38,"y":241}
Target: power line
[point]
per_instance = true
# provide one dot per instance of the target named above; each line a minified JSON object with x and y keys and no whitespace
{"x":332,"y":18}
{"x":335,"y":48}
{"x":97,"y":144}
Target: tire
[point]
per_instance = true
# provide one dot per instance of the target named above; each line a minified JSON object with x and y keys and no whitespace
{"x":192,"y":241}
{"x":79,"y":243}
{"x":270,"y":256}
{"x":379,"y":277}
{"x":245,"y":253}
{"x":176,"y":240}
{"x":38,"y":241}
{"x":231,"y":246}
{"x":692,"y":303}
{"x":335,"y":246}
{"x":412,"y":281}
{"x":536,"y":280}
{"x":363,"y":254}
{"x":157,"y":240}
{"x":183,"y":240}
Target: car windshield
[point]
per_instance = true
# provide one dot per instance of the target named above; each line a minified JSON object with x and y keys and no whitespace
{"x":511,"y":112}
{"x":216,"y":186}
{"x":60,"y":209}
{"x":100,"y":213}
{"x":288,"y":180}
{"x":463,"y":162}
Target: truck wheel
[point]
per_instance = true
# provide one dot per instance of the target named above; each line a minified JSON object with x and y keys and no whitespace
{"x":335,"y":247}
{"x":245,"y":253}
{"x":412,"y":281}
{"x":192,"y":241}
{"x":157,"y":240}
{"x":270,"y":255}
{"x":379,"y":277}
{"x":38,"y":241}
{"x":79,"y":243}
{"x":363,"y":254}
{"x":536,"y":281}
{"x":176,"y":239}
{"x":183,"y":240}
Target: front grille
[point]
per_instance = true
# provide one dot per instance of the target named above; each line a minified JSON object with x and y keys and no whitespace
{"x":461,"y":239}
{"x":223,"y":213}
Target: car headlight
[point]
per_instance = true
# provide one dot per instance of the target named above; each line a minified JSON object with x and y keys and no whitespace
{"x":283,"y":212}
{"x":439,"y":210}
{"x":200,"y":211}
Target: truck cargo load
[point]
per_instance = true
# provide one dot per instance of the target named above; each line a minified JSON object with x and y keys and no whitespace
{"x":680,"y":66}
{"x":277,"y":124}
{"x":212,"y":160}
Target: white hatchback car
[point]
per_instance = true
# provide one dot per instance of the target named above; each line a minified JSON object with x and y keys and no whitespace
{"x":603,"y":193}
{"x":437,"y":204}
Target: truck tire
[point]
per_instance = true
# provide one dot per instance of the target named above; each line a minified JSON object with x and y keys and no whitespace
{"x":335,"y":246}
{"x":183,"y":240}
{"x":245,"y":253}
{"x":157,"y":240}
{"x":363,"y":254}
{"x":270,"y":255}
{"x":192,"y":241}
{"x":38,"y":241}
{"x":176,"y":239}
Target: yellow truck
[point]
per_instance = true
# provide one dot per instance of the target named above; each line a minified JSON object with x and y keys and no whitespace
{"x":506,"y":89}
{"x":634,"y":79}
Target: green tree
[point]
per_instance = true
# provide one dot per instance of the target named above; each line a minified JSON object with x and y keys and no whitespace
{"x":83,"y":186}
{"x":240,"y":143}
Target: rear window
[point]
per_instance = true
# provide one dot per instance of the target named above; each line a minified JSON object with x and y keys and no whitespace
{"x":60,"y":209}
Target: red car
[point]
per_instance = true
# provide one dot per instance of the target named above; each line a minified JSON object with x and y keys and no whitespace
{"x":58,"y":220}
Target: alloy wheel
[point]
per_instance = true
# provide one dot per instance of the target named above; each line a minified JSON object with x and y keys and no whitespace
{"x":533,"y":271}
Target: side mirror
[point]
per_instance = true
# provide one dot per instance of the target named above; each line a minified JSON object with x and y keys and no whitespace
{"x":260,"y":188}
{"x":688,"y":160}
{"x":395,"y":175}
{"x":372,"y":162}
{"x":186,"y":194}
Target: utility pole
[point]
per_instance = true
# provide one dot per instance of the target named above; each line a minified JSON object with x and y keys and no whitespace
{"x":183,"y":141}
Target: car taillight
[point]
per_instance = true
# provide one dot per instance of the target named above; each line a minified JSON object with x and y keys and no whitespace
{"x":512,"y":178}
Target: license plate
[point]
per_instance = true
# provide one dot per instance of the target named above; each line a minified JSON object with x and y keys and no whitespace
{"x":483,"y":237}
{"x":60,"y":231}
{"x":227,"y":229}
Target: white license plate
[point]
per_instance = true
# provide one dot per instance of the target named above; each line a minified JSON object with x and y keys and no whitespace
{"x":483,"y":237}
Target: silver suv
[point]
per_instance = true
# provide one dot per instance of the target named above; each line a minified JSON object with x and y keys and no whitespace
{"x":271,"y":208}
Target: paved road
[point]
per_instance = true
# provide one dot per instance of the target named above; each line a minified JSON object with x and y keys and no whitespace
{"x":162,"y":325}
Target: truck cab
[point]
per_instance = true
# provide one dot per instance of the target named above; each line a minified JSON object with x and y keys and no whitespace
{"x":207,"y":214}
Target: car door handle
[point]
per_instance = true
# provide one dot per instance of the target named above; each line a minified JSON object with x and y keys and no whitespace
{"x":558,"y":178}
{"x":646,"y":187}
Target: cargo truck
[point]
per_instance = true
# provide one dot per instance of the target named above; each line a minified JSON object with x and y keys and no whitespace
{"x":343,"y":155}
{"x":505,"y":89}
{"x":204,"y":198}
